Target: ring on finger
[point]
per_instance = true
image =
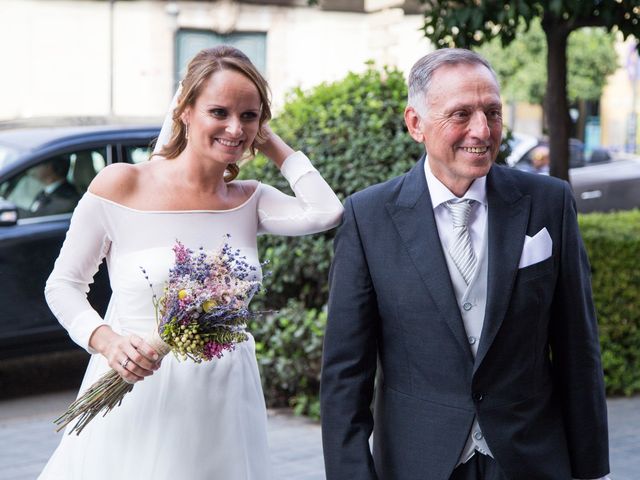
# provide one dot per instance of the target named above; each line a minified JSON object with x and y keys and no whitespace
{"x":125,"y":362}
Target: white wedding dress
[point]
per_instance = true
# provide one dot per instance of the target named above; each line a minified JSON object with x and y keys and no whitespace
{"x":187,"y":421}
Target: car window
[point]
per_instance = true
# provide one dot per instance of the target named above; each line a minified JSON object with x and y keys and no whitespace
{"x":576,"y":156}
{"x":137,"y":153}
{"x":7,"y":155}
{"x":54,"y":186}
{"x":85,"y":164}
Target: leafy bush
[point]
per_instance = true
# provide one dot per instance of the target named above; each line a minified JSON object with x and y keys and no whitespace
{"x":289,"y":351}
{"x":353,"y":131}
{"x":613,"y":243}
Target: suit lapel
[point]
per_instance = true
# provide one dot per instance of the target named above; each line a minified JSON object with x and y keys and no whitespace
{"x":412,"y":215}
{"x":507,"y":226}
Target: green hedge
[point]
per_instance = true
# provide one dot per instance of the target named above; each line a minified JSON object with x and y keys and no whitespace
{"x":613,"y":243}
{"x":353,"y":131}
{"x":289,"y":351}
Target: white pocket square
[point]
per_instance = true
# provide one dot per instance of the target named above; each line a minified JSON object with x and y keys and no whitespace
{"x":536,"y":248}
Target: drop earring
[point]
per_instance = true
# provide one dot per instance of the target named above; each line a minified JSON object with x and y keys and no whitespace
{"x":186,"y":131}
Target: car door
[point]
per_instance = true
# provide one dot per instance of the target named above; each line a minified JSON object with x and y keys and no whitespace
{"x":612,"y":185}
{"x":29,"y":248}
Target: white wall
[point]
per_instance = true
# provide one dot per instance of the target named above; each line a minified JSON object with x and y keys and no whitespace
{"x":616,"y":103}
{"x":56,"y":54}
{"x":53,"y":62}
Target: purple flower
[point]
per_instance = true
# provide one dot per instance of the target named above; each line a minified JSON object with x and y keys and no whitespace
{"x":203,"y":310}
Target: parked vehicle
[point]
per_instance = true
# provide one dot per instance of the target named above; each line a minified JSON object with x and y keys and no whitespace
{"x":602,"y":181}
{"x":33,"y":225}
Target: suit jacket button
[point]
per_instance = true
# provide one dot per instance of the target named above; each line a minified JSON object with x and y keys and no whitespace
{"x":477,"y":397}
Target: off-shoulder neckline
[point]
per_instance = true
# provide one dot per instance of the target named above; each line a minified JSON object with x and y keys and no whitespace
{"x":137,"y":210}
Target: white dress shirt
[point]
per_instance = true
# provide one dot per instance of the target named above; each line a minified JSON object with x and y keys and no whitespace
{"x":440,"y":194}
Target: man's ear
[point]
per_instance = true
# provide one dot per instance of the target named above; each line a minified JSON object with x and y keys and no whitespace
{"x":414,"y":124}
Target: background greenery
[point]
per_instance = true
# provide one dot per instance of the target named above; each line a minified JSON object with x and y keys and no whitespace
{"x":354,"y":131}
{"x":522,"y":65}
{"x":613,"y":243}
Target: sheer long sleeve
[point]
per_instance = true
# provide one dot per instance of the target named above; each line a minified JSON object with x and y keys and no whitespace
{"x":85,"y":245}
{"x":314,"y":208}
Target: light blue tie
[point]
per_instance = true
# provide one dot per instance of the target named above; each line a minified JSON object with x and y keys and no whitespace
{"x":460,"y":249}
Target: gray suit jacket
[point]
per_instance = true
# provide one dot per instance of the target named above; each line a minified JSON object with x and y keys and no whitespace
{"x":536,"y":384}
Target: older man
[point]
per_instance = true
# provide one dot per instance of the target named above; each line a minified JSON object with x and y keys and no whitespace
{"x":465,"y":287}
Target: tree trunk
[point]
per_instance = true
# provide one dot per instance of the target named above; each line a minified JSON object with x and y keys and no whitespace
{"x":555,"y":102}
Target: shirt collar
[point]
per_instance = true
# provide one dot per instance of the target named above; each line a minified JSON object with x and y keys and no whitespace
{"x":440,"y":193}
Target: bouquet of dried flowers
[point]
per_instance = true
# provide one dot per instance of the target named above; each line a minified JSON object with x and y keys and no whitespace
{"x":201,"y":314}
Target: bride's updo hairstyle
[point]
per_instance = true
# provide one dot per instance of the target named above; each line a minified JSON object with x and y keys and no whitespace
{"x":200,"y":69}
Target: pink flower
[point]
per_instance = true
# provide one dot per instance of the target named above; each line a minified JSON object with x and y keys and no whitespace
{"x":214,"y":349}
{"x":181,"y":252}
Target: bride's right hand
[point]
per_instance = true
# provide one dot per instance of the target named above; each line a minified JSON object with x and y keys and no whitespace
{"x":130,"y":356}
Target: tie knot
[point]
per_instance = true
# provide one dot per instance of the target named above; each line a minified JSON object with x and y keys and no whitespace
{"x":460,"y":211}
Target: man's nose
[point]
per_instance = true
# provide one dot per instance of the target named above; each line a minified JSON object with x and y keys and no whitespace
{"x":479,"y":126}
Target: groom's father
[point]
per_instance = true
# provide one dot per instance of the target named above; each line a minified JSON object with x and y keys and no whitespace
{"x":463,"y":289}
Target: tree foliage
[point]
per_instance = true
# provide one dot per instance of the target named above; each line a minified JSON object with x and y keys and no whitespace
{"x":520,"y":66}
{"x":592,"y":58}
{"x":522,"y":69}
{"x":471,"y":23}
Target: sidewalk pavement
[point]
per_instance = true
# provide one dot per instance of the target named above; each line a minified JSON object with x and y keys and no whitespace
{"x":28,"y":438}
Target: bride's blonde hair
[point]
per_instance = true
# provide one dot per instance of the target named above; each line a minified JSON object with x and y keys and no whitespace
{"x":200,"y":69}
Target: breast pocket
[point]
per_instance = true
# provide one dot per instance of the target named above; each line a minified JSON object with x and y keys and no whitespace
{"x":536,"y":270}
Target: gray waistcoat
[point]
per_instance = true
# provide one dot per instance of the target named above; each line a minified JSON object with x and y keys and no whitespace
{"x":472,"y":300}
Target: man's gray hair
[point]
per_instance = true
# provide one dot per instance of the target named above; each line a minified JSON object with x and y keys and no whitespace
{"x":422,"y":72}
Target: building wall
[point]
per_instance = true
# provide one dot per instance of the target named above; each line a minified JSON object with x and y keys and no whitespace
{"x":617,"y":102}
{"x":57,"y":54}
{"x":84,"y":58}
{"x":53,"y":63}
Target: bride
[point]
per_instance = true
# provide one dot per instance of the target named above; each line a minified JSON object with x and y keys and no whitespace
{"x":185,"y":420}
